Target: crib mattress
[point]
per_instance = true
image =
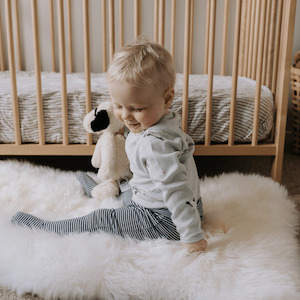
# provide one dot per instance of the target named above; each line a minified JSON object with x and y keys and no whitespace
{"x":52,"y":107}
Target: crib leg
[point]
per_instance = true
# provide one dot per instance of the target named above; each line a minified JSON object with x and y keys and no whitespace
{"x":277,"y":164}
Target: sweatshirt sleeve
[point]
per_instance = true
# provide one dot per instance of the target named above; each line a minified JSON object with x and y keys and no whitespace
{"x":167,"y":168}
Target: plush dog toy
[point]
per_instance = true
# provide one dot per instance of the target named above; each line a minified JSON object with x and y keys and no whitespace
{"x":109,"y":155}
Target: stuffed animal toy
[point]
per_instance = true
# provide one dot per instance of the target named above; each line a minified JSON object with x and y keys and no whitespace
{"x":297,"y":60}
{"x":109,"y":154}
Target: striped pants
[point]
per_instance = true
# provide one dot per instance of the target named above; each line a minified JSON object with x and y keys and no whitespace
{"x":131,"y":220}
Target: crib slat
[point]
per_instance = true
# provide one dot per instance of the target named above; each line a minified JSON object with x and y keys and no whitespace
{"x":207,"y":30}
{"x":104,"y":37}
{"x":245,"y":17}
{"x":173,"y":20}
{"x":271,"y":45}
{"x":155,"y":21}
{"x":191,"y":33}
{"x":137,"y":13}
{"x":37,"y":64}
{"x":62,"y":60}
{"x":288,"y":20}
{"x":121,"y":23}
{"x":161,"y":31}
{"x":242,"y":30}
{"x":255,"y":37}
{"x":235,"y":72}
{"x":186,"y":61}
{"x":266,"y":35}
{"x":69,"y":35}
{"x":17,"y":30}
{"x":247,"y":37}
{"x":2,"y":62}
{"x":52,"y":36}
{"x":86,"y":39}
{"x":87,"y":68}
{"x":111,"y":29}
{"x":12,"y":71}
{"x":256,"y":33}
{"x":251,"y":39}
{"x":210,"y":73}
{"x":224,"y":35}
{"x":277,"y":45}
{"x":259,"y":74}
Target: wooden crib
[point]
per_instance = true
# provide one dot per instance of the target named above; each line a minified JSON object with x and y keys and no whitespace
{"x":242,"y":38}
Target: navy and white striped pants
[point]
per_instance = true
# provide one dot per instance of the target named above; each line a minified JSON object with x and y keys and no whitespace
{"x":131,"y":220}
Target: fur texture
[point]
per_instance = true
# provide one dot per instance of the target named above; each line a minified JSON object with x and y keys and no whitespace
{"x":250,"y":225}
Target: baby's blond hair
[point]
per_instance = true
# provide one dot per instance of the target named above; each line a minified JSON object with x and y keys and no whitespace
{"x":143,"y":63}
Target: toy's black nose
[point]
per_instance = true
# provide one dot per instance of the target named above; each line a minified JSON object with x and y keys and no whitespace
{"x":101,"y":121}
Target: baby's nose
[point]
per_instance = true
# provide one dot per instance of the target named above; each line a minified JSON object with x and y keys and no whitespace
{"x":125,"y":114}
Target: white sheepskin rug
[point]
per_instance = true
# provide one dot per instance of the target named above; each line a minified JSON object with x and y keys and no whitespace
{"x":250,"y":225}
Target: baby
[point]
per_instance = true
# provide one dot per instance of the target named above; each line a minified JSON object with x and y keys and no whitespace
{"x":162,"y":200}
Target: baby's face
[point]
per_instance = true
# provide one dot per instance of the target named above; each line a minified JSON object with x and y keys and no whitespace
{"x":137,"y":108}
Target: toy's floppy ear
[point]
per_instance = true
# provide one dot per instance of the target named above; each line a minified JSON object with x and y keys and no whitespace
{"x":101,"y":120}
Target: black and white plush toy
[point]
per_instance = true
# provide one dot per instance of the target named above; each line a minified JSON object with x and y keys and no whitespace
{"x":109,"y":154}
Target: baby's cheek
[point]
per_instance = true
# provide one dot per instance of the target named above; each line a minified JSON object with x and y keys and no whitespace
{"x":150,"y":120}
{"x":118,"y":116}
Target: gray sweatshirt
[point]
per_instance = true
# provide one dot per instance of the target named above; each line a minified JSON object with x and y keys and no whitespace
{"x":165,"y":174}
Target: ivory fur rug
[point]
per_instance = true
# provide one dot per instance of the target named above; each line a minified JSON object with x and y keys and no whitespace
{"x":250,"y":225}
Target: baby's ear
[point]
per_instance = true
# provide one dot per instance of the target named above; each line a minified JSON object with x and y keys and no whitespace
{"x":101,"y":121}
{"x":169,"y":96}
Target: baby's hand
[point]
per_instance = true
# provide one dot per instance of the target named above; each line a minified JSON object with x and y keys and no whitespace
{"x":196,"y":247}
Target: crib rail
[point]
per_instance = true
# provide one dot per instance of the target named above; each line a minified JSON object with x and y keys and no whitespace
{"x":255,"y":42}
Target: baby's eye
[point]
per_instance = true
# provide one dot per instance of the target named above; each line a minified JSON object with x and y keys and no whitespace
{"x":138,"y":109}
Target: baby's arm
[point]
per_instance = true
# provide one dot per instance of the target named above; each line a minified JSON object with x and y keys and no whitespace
{"x":196,"y":247}
{"x":170,"y":176}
